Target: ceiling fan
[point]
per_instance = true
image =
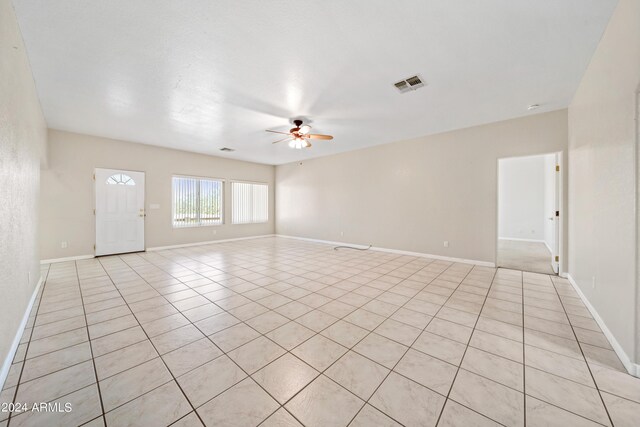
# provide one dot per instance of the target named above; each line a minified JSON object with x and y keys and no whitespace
{"x":300,"y":136}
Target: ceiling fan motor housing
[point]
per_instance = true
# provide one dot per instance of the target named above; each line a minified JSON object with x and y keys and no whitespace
{"x":298,"y":123}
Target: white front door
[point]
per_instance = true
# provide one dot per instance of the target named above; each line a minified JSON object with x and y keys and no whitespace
{"x":119,"y":211}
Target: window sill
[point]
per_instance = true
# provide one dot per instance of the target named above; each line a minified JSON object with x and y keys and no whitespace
{"x":245,"y":223}
{"x":196,"y":226}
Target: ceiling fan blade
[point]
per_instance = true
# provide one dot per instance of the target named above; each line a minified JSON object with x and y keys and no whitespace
{"x":280,"y":140}
{"x":318,"y":136}
{"x":275,"y":131}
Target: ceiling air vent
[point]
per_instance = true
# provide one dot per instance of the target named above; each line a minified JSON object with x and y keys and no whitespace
{"x":402,"y":86}
{"x":227,"y":149}
{"x":412,"y":83}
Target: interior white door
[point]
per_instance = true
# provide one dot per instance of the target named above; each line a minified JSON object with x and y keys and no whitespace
{"x":119,"y":211}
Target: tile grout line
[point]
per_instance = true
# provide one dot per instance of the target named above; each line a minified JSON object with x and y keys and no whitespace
{"x":73,"y":391}
{"x":410,"y":346}
{"x":422,"y":331}
{"x":93,"y":363}
{"x":447,"y":397}
{"x":369,"y":332}
{"x":154,"y":346}
{"x":585,"y":359}
{"x":553,"y":374}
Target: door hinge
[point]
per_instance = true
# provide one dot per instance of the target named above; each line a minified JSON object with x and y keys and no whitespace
{"x":557,"y":212}
{"x":557,"y":258}
{"x":94,"y":176}
{"x":94,"y":248}
{"x":557,"y":168}
{"x":94,"y":211}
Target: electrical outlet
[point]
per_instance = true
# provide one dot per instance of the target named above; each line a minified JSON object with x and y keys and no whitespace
{"x":446,"y":243}
{"x":64,"y":245}
{"x":342,"y":233}
{"x":593,"y":282}
{"x":214,"y":231}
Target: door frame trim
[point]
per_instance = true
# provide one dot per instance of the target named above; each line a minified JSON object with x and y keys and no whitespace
{"x":559,"y":195}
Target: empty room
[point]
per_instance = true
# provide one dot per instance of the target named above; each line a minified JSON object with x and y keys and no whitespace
{"x":319,"y":213}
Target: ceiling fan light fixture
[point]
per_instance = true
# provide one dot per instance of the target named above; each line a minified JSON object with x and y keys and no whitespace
{"x":305,"y":129}
{"x":298,"y":143}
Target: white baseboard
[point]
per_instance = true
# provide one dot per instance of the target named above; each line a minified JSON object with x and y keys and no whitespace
{"x":186,"y":245}
{"x":396,"y":251}
{"x":631,"y":367}
{"x":6,"y":365}
{"x":69,"y":258}
{"x":516,"y":239}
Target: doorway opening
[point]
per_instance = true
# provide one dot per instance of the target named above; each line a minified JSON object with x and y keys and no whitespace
{"x":119,"y":211}
{"x":529,"y":229}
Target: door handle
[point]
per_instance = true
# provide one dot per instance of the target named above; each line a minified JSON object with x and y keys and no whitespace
{"x":142,"y":215}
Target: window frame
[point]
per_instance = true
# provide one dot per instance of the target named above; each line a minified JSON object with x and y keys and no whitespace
{"x":222,"y":181}
{"x":120,"y":176}
{"x":239,"y":181}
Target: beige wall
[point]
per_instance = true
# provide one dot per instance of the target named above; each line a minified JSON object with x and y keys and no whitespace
{"x":413,"y":195}
{"x":22,"y":143}
{"x":68,"y":191}
{"x":602,"y":181}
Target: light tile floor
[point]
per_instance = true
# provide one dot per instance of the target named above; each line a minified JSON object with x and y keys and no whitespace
{"x":280,"y":332}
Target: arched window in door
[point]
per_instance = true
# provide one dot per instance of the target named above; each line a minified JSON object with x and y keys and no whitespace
{"x":120,"y":179}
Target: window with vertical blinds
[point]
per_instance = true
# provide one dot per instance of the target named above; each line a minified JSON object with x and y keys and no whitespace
{"x":250,"y":202}
{"x":197,"y":201}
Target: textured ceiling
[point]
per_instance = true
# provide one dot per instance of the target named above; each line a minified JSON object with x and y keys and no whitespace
{"x":199,"y":75}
